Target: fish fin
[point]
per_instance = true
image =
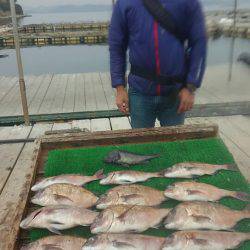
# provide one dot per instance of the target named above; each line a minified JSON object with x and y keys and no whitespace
{"x":54,"y":222}
{"x":232,"y":167}
{"x":125,"y":165}
{"x":194,"y":176}
{"x":201,"y":242}
{"x":199,"y":218}
{"x":241,"y":196}
{"x":157,"y":226}
{"x":151,"y":157}
{"x":62,"y":198}
{"x":51,"y":247}
{"x":122,"y":216}
{"x":54,"y":230}
{"x":131,"y":197}
{"x":125,"y":181}
{"x":162,"y":173}
{"x":99,"y":174}
{"x":193,"y":192}
{"x":247,"y":208}
{"x":120,"y":244}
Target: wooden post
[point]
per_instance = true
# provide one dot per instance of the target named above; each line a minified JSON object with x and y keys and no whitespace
{"x":233,"y":41}
{"x":19,"y":63}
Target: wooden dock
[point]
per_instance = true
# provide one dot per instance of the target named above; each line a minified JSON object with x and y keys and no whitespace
{"x":82,"y":96}
{"x":16,"y":158}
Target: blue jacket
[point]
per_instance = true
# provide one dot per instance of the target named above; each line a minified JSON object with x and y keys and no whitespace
{"x":152,"y":47}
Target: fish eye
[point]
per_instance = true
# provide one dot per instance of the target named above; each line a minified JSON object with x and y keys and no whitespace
{"x":90,"y":241}
{"x":171,"y":186}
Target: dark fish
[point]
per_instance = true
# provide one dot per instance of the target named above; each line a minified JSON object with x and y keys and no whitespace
{"x":205,"y":240}
{"x":127,"y":159}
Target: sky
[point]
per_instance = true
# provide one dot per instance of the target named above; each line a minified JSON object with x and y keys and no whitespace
{"x":34,"y":3}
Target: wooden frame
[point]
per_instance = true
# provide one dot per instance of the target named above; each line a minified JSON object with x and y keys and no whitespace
{"x":9,"y":228}
{"x":199,"y":110}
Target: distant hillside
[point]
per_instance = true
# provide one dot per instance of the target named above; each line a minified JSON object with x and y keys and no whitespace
{"x":224,"y":4}
{"x":69,"y":8}
{"x":5,"y":8}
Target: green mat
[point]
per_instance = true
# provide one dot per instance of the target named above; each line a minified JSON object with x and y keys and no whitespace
{"x":87,"y":161}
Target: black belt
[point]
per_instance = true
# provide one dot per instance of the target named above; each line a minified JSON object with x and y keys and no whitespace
{"x":153,"y":76}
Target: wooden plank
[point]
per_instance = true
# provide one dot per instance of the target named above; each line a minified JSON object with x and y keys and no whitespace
{"x":90,"y":97}
{"x":35,"y":86}
{"x":33,"y":83}
{"x":59,"y":94}
{"x":101,"y":99}
{"x":242,"y":159}
{"x":8,"y":155}
{"x":49,"y":98}
{"x":62,"y":126}
{"x":241,"y":122}
{"x":69,"y":100}
{"x":109,"y":92}
{"x":100,"y":125}
{"x":12,"y":102}
{"x":81,"y":124}
{"x":120,"y":123}
{"x":205,"y":95}
{"x":6,"y":84}
{"x":37,"y":100}
{"x":128,"y":136}
{"x":80,"y":100}
{"x":238,"y":136}
{"x":16,"y":132}
{"x":7,"y":95}
{"x":39,"y":129}
{"x":220,"y":109}
{"x":13,"y":200}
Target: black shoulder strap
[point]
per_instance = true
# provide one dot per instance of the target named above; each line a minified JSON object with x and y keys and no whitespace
{"x":162,"y":16}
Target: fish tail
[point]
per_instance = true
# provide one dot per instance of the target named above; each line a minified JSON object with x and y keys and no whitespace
{"x":26,"y":247}
{"x":245,"y":213}
{"x":99,"y":174}
{"x":232,"y":167}
{"x":149,"y":157}
{"x":247,"y":236}
{"x":241,"y":196}
{"x":161,"y":173}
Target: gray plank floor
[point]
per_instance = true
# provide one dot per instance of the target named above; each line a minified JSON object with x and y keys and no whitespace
{"x":50,"y":94}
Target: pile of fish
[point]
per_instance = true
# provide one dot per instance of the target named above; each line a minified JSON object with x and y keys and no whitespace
{"x":124,"y":211}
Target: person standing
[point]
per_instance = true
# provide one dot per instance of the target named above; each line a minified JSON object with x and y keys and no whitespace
{"x":165,"y":71}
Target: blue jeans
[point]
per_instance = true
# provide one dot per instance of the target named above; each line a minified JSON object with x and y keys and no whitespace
{"x":144,"y":109}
